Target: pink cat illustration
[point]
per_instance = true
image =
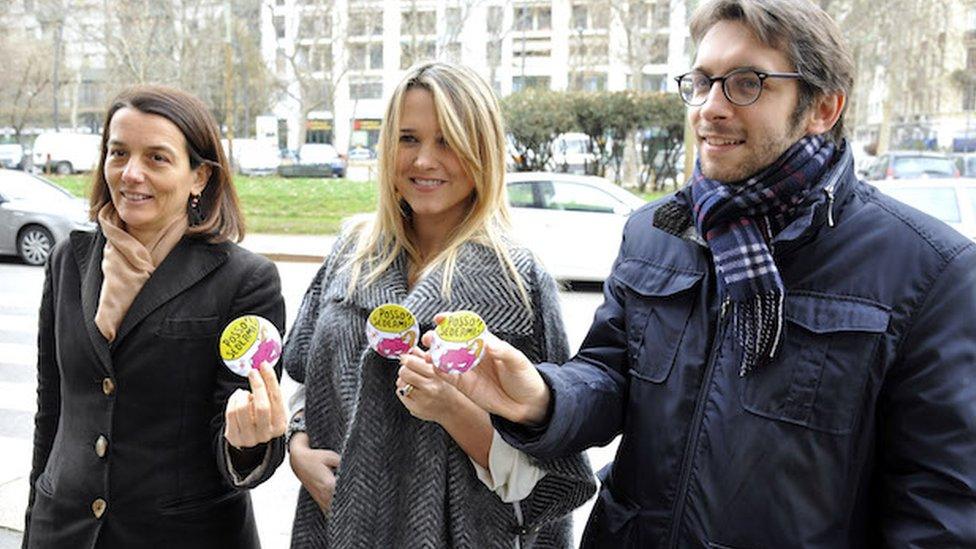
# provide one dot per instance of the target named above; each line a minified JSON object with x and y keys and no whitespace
{"x":268,"y":351}
{"x":463,"y":359}
{"x":395,"y":346}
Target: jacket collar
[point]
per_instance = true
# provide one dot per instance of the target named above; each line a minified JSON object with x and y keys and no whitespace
{"x":189,"y":262}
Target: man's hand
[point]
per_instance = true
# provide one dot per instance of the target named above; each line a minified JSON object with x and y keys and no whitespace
{"x":505,"y":383}
{"x":255,"y":417}
{"x":315,"y":469}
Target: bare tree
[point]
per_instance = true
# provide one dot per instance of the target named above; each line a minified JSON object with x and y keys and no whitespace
{"x":28,"y":80}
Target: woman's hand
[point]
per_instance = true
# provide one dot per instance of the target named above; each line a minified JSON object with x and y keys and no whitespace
{"x":505,"y":383}
{"x":314,"y":468}
{"x":431,"y":397}
{"x":255,"y":417}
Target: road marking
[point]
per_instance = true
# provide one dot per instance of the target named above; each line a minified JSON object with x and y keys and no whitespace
{"x":18,"y":323}
{"x":21,"y":397}
{"x":16,"y":353}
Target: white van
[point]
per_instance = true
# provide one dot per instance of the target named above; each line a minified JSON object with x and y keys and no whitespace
{"x":66,"y":153}
{"x":254,"y":156}
{"x":571,"y":153}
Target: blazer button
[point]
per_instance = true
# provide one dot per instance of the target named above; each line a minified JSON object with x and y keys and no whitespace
{"x":108,"y":386}
{"x":101,"y":446}
{"x":98,"y":507}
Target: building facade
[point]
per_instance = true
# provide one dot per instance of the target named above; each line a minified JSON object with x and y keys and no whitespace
{"x":341,"y":59}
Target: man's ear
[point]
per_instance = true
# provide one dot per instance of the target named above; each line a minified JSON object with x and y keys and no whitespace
{"x":201,"y":176}
{"x":824,"y":112}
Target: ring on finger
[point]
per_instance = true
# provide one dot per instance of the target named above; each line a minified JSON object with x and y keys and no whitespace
{"x":405,"y":390}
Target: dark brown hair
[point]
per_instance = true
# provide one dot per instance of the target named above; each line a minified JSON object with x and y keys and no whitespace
{"x":220,"y":210}
{"x":809,"y":37}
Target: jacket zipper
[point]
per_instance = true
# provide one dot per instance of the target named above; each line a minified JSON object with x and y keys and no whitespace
{"x":829,"y":191}
{"x":691,"y":447}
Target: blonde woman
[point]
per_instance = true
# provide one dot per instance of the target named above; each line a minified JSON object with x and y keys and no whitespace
{"x":423,"y":467}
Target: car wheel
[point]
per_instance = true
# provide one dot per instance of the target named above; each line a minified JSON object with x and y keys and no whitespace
{"x":63,"y":168}
{"x":34,"y":244}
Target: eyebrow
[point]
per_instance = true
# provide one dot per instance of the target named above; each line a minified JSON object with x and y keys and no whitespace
{"x":698,"y":68}
{"x":160,"y":147}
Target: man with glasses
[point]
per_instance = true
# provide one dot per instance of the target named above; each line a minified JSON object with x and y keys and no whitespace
{"x":789,"y":356}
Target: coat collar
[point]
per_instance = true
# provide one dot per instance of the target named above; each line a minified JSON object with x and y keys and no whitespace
{"x":189,"y":262}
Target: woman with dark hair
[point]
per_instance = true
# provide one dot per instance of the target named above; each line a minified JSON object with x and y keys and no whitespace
{"x":142,"y":436}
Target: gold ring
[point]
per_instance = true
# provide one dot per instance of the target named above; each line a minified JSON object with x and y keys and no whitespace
{"x":405,"y":390}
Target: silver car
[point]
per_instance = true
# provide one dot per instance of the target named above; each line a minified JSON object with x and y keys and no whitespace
{"x":35,"y":214}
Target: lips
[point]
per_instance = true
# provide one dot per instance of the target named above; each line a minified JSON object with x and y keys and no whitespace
{"x":133,"y":196}
{"x":716,"y":141}
{"x":427,"y":183}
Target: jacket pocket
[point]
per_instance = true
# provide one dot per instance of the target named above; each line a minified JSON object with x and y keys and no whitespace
{"x":817,"y":381}
{"x":190,"y":328}
{"x":43,"y":485}
{"x":197,"y":503}
{"x":658,"y":305}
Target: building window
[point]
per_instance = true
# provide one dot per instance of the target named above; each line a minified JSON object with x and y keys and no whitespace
{"x":371,"y":88}
{"x":366,"y":23}
{"x":662,"y":14}
{"x":579,"y":18}
{"x":600,"y":17}
{"x":411,"y":53}
{"x":418,"y":22}
{"x":533,"y":18}
{"x":452,"y":19}
{"x":494,"y":53}
{"x":376,"y":56}
{"x":520,"y":83}
{"x":969,"y":98}
{"x":495,"y":18}
{"x":971,"y":58}
{"x":638,"y":13}
{"x":453,"y":52}
{"x":589,"y":81}
{"x":280,"y":61}
{"x":357,"y":56}
{"x":653,"y":82}
{"x":659,"y":49}
{"x":279,"y":25}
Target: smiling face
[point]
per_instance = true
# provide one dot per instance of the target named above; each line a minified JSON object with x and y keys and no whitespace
{"x":148,"y":172}
{"x":737,"y":142}
{"x":429,"y":175}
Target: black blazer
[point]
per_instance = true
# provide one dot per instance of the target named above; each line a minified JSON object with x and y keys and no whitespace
{"x":151,"y":402}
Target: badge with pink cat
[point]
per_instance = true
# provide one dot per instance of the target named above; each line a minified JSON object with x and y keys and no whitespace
{"x":459,"y":342}
{"x":248,"y":341}
{"x":392,"y":330}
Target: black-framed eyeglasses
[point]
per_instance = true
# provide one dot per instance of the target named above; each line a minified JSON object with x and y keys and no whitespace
{"x":741,"y":87}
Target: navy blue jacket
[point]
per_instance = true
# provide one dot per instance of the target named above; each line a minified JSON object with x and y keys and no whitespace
{"x":862,"y":432}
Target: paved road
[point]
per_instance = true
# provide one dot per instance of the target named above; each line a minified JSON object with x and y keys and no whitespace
{"x":20,"y":293}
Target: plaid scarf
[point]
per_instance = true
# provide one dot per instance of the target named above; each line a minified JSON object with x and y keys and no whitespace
{"x":738,"y":221}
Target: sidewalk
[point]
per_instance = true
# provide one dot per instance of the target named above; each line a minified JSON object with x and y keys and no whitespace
{"x":289,"y":247}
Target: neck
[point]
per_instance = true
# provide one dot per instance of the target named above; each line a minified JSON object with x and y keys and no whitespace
{"x":430,"y":233}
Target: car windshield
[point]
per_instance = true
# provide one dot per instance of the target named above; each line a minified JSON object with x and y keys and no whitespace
{"x":20,"y":186}
{"x":939,"y":202}
{"x":932,"y":166}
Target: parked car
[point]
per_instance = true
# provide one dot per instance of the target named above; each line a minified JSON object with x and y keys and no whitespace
{"x":35,"y":214}
{"x":573,"y":223}
{"x":361,"y":153}
{"x":66,"y":153}
{"x":12,"y":156}
{"x":571,"y":153}
{"x":911,"y":164}
{"x":952,"y":201}
{"x":254,"y":156}
{"x":314,"y":160}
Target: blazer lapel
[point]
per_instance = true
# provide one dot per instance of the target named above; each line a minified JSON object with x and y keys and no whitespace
{"x":88,"y":254}
{"x":186,"y":265}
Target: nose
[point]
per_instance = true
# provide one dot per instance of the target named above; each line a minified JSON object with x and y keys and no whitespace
{"x":425,"y":159}
{"x":133,"y":172}
{"x":716,"y":105}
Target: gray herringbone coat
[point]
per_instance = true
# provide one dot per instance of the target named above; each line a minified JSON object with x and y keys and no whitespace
{"x":404,"y":482}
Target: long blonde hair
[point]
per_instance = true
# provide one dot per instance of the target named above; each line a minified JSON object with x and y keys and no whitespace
{"x":470,"y":120}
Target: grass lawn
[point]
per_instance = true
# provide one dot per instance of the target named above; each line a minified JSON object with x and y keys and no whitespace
{"x":283,"y":206}
{"x":278,"y":205}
